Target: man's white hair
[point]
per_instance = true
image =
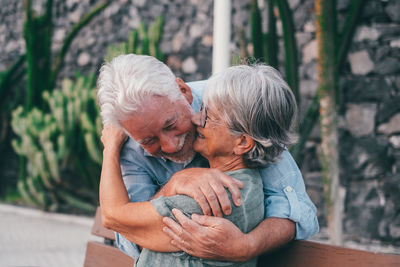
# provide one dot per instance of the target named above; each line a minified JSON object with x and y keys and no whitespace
{"x":124,"y":83}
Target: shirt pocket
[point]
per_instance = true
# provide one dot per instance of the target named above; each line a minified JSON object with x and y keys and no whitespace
{"x":295,"y":212}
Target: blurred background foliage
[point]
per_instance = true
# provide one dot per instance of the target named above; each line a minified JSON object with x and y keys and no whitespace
{"x":61,"y":146}
{"x":57,"y":130}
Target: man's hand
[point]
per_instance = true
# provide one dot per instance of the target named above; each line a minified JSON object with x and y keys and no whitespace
{"x":219,"y":239}
{"x":112,"y":137}
{"x":207,"y":187}
{"x":207,"y":237}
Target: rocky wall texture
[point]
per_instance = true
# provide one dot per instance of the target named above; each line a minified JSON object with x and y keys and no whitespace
{"x":369,"y":84}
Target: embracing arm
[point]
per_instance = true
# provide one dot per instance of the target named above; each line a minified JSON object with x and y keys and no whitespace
{"x":270,"y":234}
{"x":139,"y":222}
{"x":217,"y":238}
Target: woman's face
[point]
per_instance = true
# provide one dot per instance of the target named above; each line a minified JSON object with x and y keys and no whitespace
{"x":214,"y":140}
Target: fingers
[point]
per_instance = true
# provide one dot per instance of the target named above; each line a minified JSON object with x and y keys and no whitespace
{"x":180,"y":232}
{"x":172,"y":229}
{"x":113,"y":136}
{"x":184,"y":223}
{"x":223,"y":198}
{"x":203,"y":203}
{"x":203,"y":220}
{"x":208,"y":188}
{"x":212,"y":200}
{"x":234,"y":187}
{"x":216,"y":196}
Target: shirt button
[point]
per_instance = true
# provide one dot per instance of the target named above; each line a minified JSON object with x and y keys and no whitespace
{"x":288,"y":189}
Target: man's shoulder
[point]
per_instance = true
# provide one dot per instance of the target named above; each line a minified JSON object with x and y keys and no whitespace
{"x":132,"y":152}
{"x":284,"y":168}
{"x":197,"y":86}
{"x":131,"y":146}
{"x":284,"y":161}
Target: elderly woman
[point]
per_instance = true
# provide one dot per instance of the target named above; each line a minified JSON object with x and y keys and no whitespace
{"x":253,"y":111}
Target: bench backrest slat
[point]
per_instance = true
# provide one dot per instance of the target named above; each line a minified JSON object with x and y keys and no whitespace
{"x":101,"y":255}
{"x":99,"y":230}
{"x":310,"y":254}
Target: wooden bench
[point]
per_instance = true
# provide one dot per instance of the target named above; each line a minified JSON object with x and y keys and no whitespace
{"x":295,"y":254}
{"x":104,"y":254}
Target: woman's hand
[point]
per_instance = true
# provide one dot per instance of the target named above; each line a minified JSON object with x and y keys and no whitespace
{"x":113,"y":137}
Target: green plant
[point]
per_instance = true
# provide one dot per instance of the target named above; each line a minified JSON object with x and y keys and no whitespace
{"x":265,"y":45}
{"x":265,"y":49}
{"x":11,"y":77}
{"x":41,"y":68}
{"x":141,"y":41}
{"x":62,"y":147}
{"x":8,"y":79}
{"x":41,"y":73}
{"x":342,"y":43}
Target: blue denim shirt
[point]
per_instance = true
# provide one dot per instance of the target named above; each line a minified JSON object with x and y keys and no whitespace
{"x":283,"y":185}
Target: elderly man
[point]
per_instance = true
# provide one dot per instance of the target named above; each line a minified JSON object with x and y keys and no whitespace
{"x":141,"y":95}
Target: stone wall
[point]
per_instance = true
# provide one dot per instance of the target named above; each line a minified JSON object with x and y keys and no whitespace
{"x":369,"y":84}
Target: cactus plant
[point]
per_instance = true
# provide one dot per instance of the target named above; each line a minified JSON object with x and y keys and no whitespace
{"x":41,"y":72}
{"x":141,"y":41}
{"x":62,"y":147}
{"x":291,"y":64}
{"x":265,"y":45}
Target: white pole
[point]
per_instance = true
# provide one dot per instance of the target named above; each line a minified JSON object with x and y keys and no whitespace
{"x":221,"y":35}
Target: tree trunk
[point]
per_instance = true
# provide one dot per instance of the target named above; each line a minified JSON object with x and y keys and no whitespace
{"x":327,"y":80}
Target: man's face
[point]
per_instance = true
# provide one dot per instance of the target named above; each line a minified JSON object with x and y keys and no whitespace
{"x":164,"y":128}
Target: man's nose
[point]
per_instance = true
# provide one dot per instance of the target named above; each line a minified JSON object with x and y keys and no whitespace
{"x":196,"y":119}
{"x":169,"y":143}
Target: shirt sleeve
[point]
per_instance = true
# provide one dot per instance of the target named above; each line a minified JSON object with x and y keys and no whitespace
{"x":286,"y":196}
{"x":140,"y":187}
{"x":138,"y":183}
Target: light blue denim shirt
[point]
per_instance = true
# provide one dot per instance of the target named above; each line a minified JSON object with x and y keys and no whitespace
{"x":284,"y":189}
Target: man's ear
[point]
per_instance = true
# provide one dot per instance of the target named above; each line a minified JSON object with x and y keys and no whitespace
{"x":185,"y":89}
{"x":243,"y":144}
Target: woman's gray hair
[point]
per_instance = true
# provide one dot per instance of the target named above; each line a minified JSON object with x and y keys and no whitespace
{"x":125,"y":82}
{"x":256,"y":101}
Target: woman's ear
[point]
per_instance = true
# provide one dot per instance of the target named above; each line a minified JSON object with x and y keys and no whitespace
{"x":243,"y":144}
{"x":185,"y":90}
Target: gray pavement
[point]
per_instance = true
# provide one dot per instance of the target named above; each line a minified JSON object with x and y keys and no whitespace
{"x":31,"y":237}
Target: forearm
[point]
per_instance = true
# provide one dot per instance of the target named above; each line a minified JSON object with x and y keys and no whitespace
{"x":138,"y":222}
{"x":270,"y":234}
{"x":141,"y":224}
{"x":112,"y":192}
